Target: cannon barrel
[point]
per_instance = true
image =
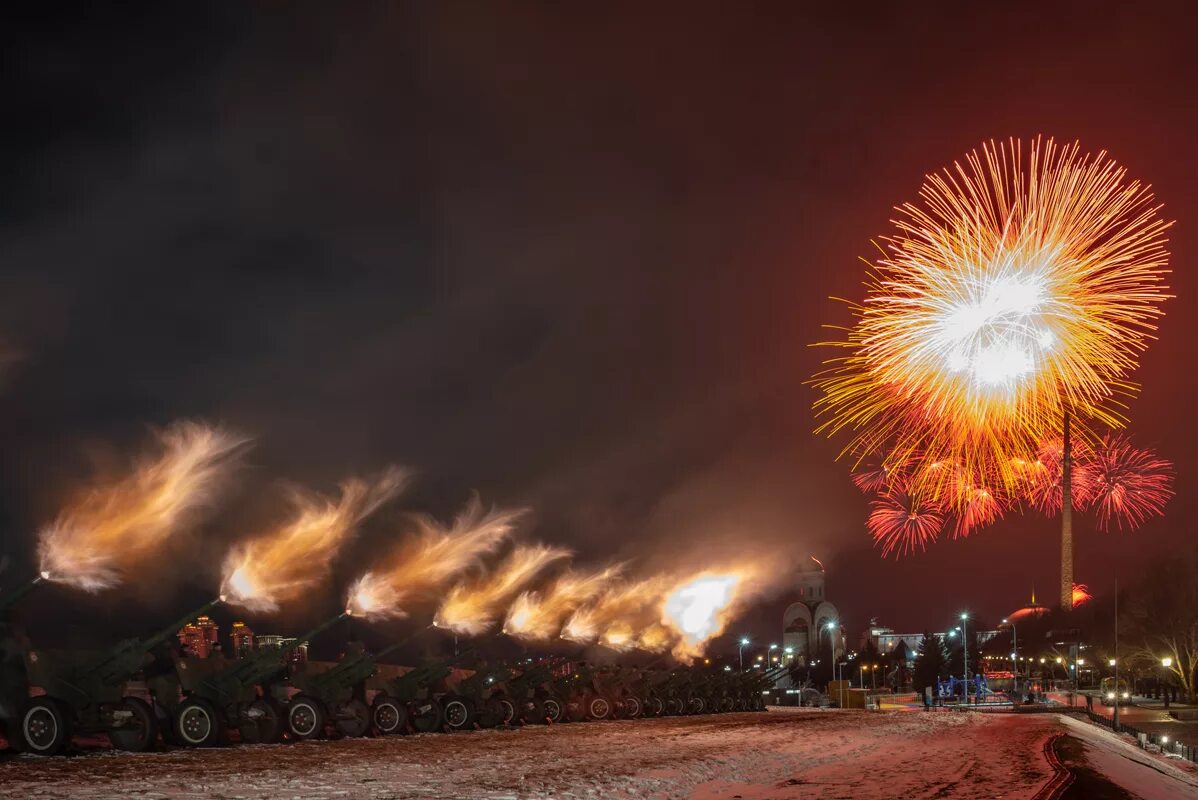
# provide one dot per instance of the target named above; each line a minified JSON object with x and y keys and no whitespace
{"x":120,"y":662}
{"x":312,"y":634}
{"x":12,"y":597}
{"x":264,"y":664}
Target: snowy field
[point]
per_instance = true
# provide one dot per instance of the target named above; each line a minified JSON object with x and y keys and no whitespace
{"x":785,"y":754}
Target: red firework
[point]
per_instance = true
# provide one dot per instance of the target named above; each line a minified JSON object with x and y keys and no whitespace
{"x":982,"y":507}
{"x":899,"y":523}
{"x":1127,"y":484}
{"x":1039,"y":481}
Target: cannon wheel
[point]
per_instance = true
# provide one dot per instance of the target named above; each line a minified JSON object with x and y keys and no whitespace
{"x":353,"y":719}
{"x":427,"y":716}
{"x":263,"y":725}
{"x":388,"y":715}
{"x":727,"y":704}
{"x":196,"y":723}
{"x":460,"y":712}
{"x":675,"y":706}
{"x":138,"y":734}
{"x":550,"y":710}
{"x":600,"y":707}
{"x":654,"y":706}
{"x":632,"y":706}
{"x":305,"y":717}
{"x":696,"y":704}
{"x":45,"y":727}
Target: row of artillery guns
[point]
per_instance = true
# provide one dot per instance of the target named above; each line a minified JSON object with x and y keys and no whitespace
{"x":142,"y":690}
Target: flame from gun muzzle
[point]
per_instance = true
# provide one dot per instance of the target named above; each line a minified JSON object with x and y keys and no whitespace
{"x":632,"y":604}
{"x":472,"y":608}
{"x":699,"y":608}
{"x":263,"y":572}
{"x":95,"y":540}
{"x":435,"y":556}
{"x":539,"y":614}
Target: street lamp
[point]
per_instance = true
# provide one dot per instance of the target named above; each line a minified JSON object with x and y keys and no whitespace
{"x":1015,"y":647}
{"x":744,"y":642}
{"x":965,"y":652}
{"x":831,"y":626}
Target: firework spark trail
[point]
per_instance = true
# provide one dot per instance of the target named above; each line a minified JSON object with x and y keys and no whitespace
{"x":278,"y":566}
{"x":432,"y":558}
{"x":539,"y":614}
{"x":1081,"y":594}
{"x":95,"y":541}
{"x":900,"y":523}
{"x":1127,"y":485}
{"x":472,"y":608}
{"x":1020,"y":289}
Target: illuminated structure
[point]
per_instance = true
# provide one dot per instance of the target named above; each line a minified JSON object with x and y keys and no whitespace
{"x":242,"y":639}
{"x":805,"y":623}
{"x":299,"y":655}
{"x":199,"y":638}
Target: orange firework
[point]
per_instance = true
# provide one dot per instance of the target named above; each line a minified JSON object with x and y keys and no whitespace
{"x":1019,"y":290}
{"x":539,"y":614}
{"x":1081,"y":594}
{"x":472,"y":608}
{"x":280,"y":565}
{"x":432,"y":558}
{"x":95,"y":540}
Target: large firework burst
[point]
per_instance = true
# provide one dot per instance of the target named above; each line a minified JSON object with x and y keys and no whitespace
{"x":1020,"y":289}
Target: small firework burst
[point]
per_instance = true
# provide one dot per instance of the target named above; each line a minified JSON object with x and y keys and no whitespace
{"x":1127,"y":484}
{"x":901,"y":523}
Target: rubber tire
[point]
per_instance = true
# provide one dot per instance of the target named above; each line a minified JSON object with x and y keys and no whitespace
{"x":550,"y":710}
{"x":696,"y":705}
{"x":196,"y":723}
{"x":675,"y":707}
{"x":460,"y":713}
{"x":51,"y":725}
{"x":576,"y":708}
{"x":508,"y":713}
{"x":359,"y":724}
{"x":654,"y":706}
{"x":306,"y":717}
{"x":600,"y":707}
{"x":431,"y":721}
{"x":394,"y":717}
{"x":142,"y":735}
{"x":632,"y":707}
{"x":265,"y":729}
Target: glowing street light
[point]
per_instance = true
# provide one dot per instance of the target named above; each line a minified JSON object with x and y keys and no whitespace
{"x":740,"y":650}
{"x":1166,"y":662}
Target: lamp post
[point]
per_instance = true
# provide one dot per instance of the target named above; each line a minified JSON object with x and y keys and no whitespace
{"x":1015,"y":654}
{"x":744,"y":642}
{"x":1167,"y":662}
{"x":831,"y":627}
{"x":965,"y":652}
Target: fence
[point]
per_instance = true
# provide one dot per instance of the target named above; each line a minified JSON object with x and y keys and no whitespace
{"x":1158,"y":741}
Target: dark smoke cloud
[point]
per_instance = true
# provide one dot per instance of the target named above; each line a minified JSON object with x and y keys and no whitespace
{"x":570,"y":258}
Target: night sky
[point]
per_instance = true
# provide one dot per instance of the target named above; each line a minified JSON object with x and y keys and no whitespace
{"x":570,"y":257}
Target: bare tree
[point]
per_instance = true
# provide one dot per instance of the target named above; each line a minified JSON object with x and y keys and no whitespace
{"x":1160,"y":618}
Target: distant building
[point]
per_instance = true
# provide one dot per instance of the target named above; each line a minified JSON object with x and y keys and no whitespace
{"x":242,"y":639}
{"x":298,"y":655}
{"x":199,"y":638}
{"x":811,"y":621}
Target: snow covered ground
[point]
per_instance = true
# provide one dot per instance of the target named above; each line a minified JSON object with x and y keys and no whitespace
{"x":785,"y":754}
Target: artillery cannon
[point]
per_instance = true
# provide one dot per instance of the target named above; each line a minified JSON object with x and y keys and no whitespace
{"x":756,"y":684}
{"x":86,"y":693}
{"x":532,"y":697}
{"x":583,"y":695}
{"x":339,"y":692}
{"x":626,"y":687}
{"x":410,"y":698}
{"x":246,"y":694}
{"x":478,"y":699}
{"x":11,"y":599}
